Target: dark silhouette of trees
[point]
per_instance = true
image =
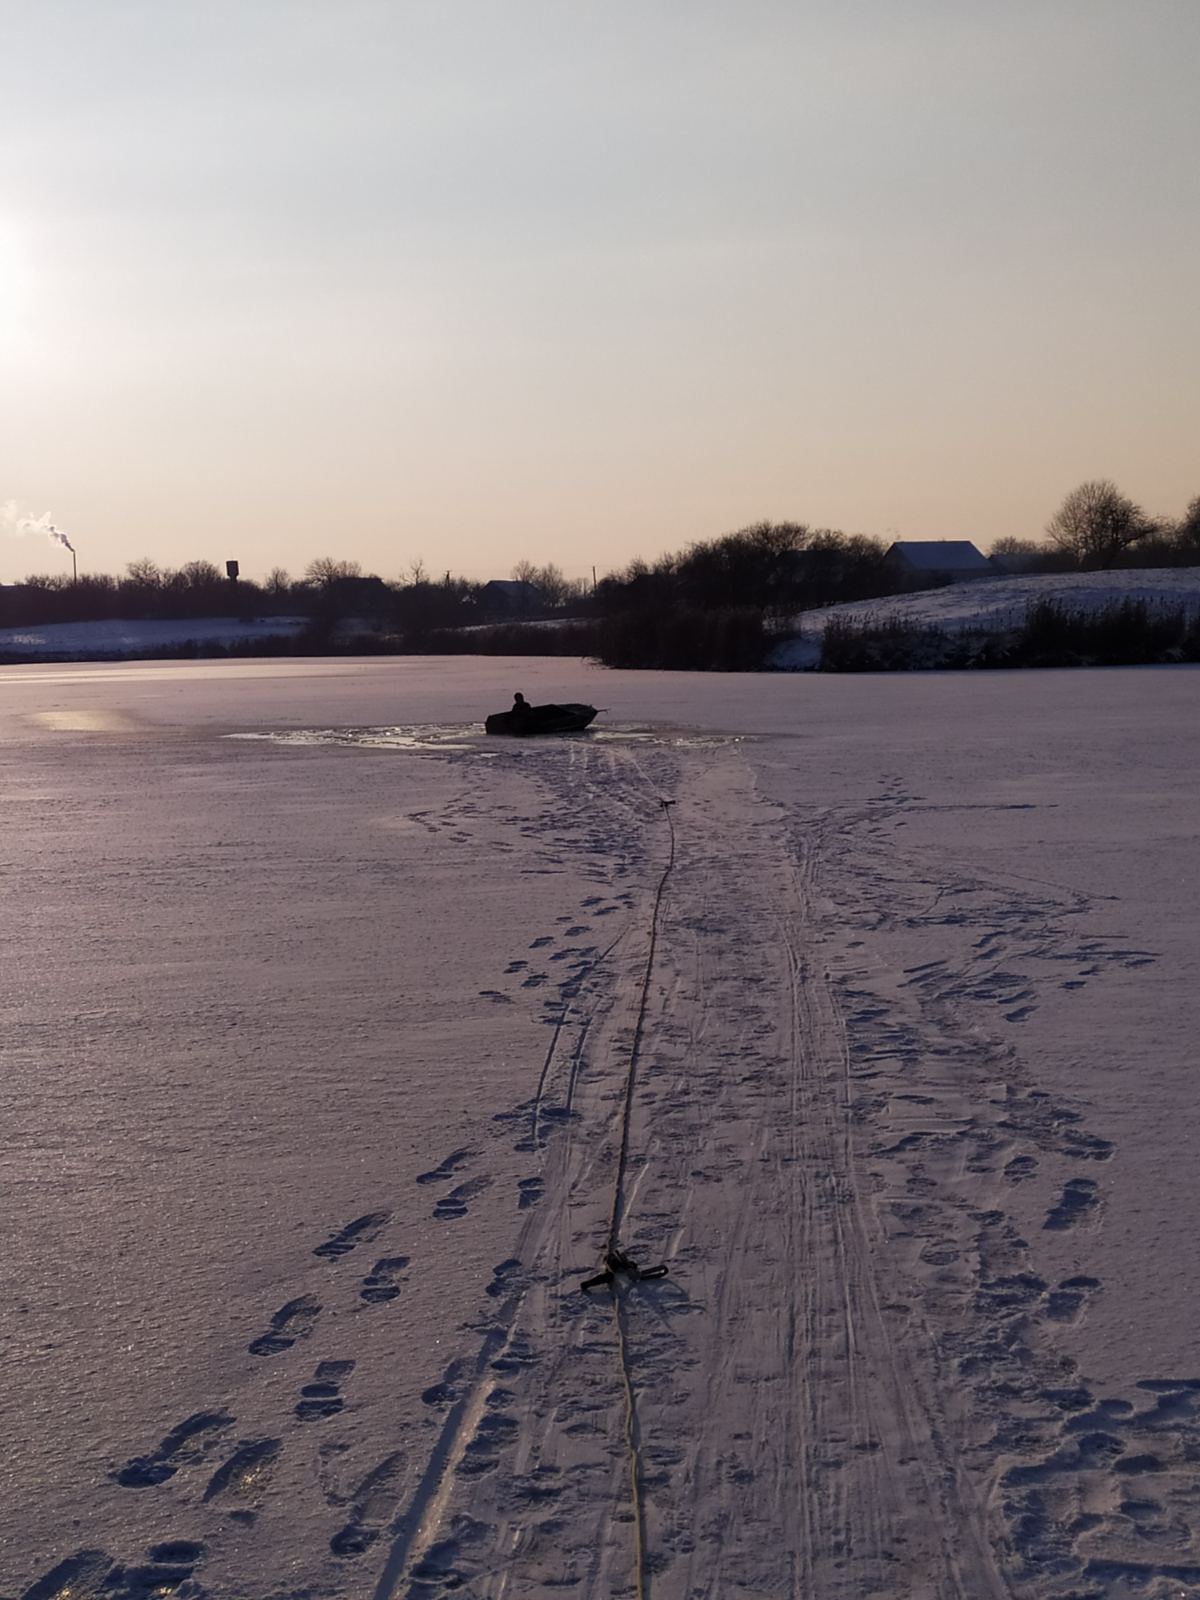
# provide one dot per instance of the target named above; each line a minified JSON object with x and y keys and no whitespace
{"x":756,"y":566}
{"x":775,"y":568}
{"x":554,"y":588}
{"x":1026,"y":555}
{"x":1096,"y":522}
{"x":1187,"y":529}
{"x":325,"y":571}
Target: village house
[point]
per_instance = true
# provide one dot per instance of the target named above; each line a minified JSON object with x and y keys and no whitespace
{"x":926,"y":562}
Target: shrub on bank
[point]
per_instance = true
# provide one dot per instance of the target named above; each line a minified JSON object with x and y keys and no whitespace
{"x":687,"y":639}
{"x":1126,"y":634}
{"x":505,"y":639}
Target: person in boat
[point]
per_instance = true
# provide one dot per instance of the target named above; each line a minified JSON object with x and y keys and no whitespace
{"x":521,"y":706}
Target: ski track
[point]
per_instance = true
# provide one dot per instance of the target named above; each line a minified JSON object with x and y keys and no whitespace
{"x":851,"y":1384}
{"x":770,"y":1386}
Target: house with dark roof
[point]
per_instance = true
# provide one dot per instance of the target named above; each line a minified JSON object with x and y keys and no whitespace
{"x":510,"y":597}
{"x":933,"y":561}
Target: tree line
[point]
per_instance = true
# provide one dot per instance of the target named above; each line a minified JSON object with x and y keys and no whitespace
{"x":329,"y":591}
{"x":1098,"y":527}
{"x":717,"y":602}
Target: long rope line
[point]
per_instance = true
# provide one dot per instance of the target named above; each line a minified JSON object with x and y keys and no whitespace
{"x":618,"y":1202}
{"x":633,"y":1437}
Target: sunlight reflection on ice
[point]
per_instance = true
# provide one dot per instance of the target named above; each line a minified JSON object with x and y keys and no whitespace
{"x":80,"y":720}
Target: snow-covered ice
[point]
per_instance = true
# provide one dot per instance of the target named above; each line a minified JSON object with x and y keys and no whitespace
{"x":316,"y":1051}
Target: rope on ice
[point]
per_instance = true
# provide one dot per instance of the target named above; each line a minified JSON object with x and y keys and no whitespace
{"x":617,"y":1264}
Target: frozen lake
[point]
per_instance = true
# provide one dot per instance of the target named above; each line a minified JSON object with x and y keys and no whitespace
{"x":319,"y":1013}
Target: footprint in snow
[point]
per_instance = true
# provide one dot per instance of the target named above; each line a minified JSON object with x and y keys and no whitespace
{"x":361,"y":1231}
{"x":540,"y":944}
{"x":453,"y":1161}
{"x":494,"y":994}
{"x":384,"y":1280}
{"x":443,"y":1393}
{"x":188,"y":1441}
{"x":1086,"y":1146}
{"x":89,"y":1574}
{"x":454,"y":1205}
{"x":482,"y":1454}
{"x":1021,"y":1168}
{"x":1068,"y":1302}
{"x":530,"y":1191}
{"x":373,"y":1502}
{"x":246,"y":1470}
{"x":83,"y":1574}
{"x":502,"y":1277}
{"x":291,"y":1322}
{"x":1080,"y":1198}
{"x":322,"y":1397}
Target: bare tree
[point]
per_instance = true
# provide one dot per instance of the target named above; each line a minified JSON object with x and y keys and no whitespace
{"x":553,"y":584}
{"x":1096,"y":522}
{"x":144,"y":572}
{"x":278,"y":581}
{"x":1018,"y":555}
{"x":325,"y":571}
{"x":200,"y":575}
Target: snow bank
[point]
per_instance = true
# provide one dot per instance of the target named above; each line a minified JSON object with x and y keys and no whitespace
{"x":993,"y":603}
{"x":79,"y":640}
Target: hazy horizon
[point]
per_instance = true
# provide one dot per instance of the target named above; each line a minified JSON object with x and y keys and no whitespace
{"x":579,"y":284}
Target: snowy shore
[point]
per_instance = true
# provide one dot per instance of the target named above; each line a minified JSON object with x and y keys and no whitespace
{"x":83,"y":641}
{"x":317,"y":1043}
{"x":993,"y":605}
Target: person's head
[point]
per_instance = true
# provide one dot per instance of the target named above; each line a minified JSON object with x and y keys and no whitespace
{"x":518,"y":698}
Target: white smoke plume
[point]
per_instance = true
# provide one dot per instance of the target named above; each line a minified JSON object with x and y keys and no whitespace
{"x":15,"y":521}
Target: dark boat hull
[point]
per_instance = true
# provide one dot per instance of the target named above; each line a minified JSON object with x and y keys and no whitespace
{"x":540,"y":719}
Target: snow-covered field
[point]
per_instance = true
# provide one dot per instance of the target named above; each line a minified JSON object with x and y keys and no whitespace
{"x":317,"y":1050}
{"x":995,"y":603}
{"x":83,"y":639}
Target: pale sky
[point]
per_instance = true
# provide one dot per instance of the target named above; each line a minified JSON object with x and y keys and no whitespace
{"x":477,"y":280}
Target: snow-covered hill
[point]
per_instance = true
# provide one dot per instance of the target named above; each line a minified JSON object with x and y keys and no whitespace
{"x":994,"y":603}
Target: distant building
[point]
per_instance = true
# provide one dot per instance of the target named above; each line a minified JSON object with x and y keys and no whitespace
{"x":930,"y":561}
{"x":509,"y":597}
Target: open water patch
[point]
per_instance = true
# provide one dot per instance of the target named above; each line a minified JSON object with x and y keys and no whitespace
{"x":470,"y":739}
